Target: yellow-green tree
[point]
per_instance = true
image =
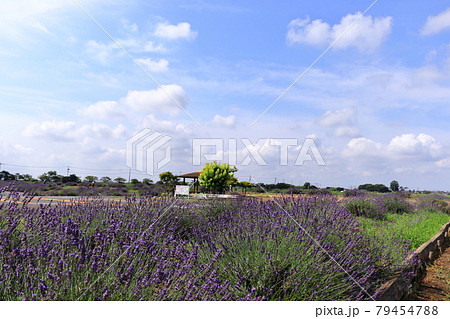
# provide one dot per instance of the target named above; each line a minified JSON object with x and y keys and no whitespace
{"x":215,"y":177}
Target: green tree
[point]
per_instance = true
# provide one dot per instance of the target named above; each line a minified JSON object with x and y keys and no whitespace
{"x":105,"y":179}
{"x":72,"y":178}
{"x":6,"y":176}
{"x":307,"y":185}
{"x":51,"y":176}
{"x":245,"y":186}
{"x":395,"y":186}
{"x":147,"y":181}
{"x":232,"y":182}
{"x":91,"y":179}
{"x":374,"y":188}
{"x":27,"y":177}
{"x":169,"y":181}
{"x":215,"y":176}
{"x":134,"y":181}
{"x":120,"y":180}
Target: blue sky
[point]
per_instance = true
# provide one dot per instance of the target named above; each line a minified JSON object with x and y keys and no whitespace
{"x":376,"y":104}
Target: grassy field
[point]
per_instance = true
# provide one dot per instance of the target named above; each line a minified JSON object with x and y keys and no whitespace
{"x":415,"y":228}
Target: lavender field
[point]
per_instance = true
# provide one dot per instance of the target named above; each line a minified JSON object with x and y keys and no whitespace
{"x":152,"y":248}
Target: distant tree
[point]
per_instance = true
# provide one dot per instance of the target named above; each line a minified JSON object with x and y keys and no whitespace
{"x":147,"y":181}
{"x":395,"y":186}
{"x":169,"y":181}
{"x":6,"y":176}
{"x":245,"y":186}
{"x":232,"y":182}
{"x":27,"y":177}
{"x":51,"y":176}
{"x":214,"y":176}
{"x":134,"y":181}
{"x":72,"y":178}
{"x":44,"y":178}
{"x":55,"y":177}
{"x":283,"y":186}
{"x":307,"y":185}
{"x":105,"y":179}
{"x":380,"y":188}
{"x":120,"y":180}
{"x":91,"y":179}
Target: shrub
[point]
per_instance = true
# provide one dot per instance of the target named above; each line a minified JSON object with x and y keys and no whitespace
{"x":433,"y":203}
{"x":319,"y":191}
{"x":394,"y":203}
{"x":354,"y":192}
{"x":364,"y":206}
{"x":295,"y":191}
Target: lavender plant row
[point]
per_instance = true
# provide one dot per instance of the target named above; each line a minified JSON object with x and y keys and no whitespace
{"x":160,"y":249}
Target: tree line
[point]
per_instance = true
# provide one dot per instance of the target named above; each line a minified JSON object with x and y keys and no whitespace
{"x":214,"y":177}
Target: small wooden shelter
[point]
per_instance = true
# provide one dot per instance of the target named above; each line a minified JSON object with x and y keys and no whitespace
{"x":194,"y":176}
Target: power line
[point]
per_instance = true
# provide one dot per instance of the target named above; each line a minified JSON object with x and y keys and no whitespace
{"x":68,"y":168}
{"x":27,"y":166}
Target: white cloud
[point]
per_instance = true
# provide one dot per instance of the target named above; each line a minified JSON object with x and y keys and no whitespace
{"x":444,"y":163}
{"x":315,"y":33}
{"x":362,"y":146}
{"x":171,"y":32}
{"x":103,"y":110}
{"x":342,"y":120}
{"x":366,"y":35}
{"x":99,"y":131}
{"x":54,"y":130}
{"x":347,"y":131}
{"x":154,"y":66}
{"x":127,"y":25}
{"x":159,"y":100}
{"x":100,"y":51}
{"x":116,"y":155}
{"x":141,"y":45}
{"x":103,"y":53}
{"x":403,"y":147}
{"x":67,"y":131}
{"x":150,"y":47}
{"x":9,"y":149}
{"x":164,"y":125}
{"x":22,"y":17}
{"x":416,"y":145}
{"x":228,"y":121}
{"x":437,"y":23}
{"x":337,"y":118}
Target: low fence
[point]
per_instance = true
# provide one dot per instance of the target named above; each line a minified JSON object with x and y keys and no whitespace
{"x":398,"y":287}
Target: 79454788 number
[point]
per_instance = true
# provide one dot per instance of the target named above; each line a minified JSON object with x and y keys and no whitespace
{"x":404,"y":310}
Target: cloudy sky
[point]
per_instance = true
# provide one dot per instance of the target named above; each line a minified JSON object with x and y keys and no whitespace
{"x":80,"y":78}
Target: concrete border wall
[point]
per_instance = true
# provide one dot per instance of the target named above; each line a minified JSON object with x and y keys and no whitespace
{"x":397,"y":288}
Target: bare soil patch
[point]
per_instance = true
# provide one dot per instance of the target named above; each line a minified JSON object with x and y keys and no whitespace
{"x":435,"y":285}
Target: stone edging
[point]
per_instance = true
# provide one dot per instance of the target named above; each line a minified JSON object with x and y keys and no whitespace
{"x":398,"y":287}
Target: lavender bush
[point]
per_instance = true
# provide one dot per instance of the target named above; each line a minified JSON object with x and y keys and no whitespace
{"x":394,"y":203}
{"x":84,"y":189}
{"x":162,"y":249}
{"x":433,"y":203}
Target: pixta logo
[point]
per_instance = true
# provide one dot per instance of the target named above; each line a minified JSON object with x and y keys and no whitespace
{"x":213,"y":149}
{"x":143,"y":148}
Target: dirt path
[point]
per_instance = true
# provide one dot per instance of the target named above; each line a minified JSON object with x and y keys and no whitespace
{"x":436,"y":283}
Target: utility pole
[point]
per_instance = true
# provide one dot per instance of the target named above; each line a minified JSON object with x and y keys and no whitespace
{"x":129,"y":176}
{"x":275,"y":180}
{"x":250,"y":179}
{"x":68,"y":170}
